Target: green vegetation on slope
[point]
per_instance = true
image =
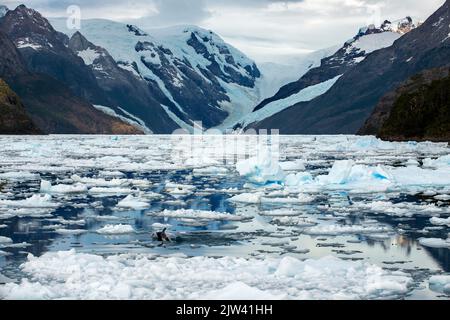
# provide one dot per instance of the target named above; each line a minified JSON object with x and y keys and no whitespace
{"x":423,"y":114}
{"x":13,"y":117}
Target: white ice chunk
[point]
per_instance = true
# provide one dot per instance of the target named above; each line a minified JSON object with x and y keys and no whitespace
{"x":247,"y":198}
{"x":440,"y":221}
{"x":262,"y":169}
{"x":46,"y":187}
{"x":72,"y":275}
{"x":35,"y":201}
{"x":435,"y":242}
{"x":197,"y":214}
{"x":131,"y":202}
{"x":116,"y":229}
{"x":335,"y":230}
{"x":440,"y":284}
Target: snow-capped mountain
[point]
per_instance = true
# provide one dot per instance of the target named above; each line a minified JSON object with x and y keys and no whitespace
{"x":52,"y":53}
{"x":318,"y":79}
{"x":345,"y":107}
{"x":53,"y":83}
{"x":201,"y":77}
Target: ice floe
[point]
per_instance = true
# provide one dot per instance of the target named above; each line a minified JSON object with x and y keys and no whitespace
{"x":132,"y":202}
{"x":35,"y":201}
{"x":72,"y":275}
{"x":46,"y":187}
{"x":19,"y":175}
{"x":4,"y":240}
{"x":435,"y":242}
{"x":247,"y":198}
{"x":116,"y":229}
{"x":335,"y":229}
{"x":440,"y":284}
{"x":197,"y":214}
{"x":262,"y":169}
{"x":440,"y":221}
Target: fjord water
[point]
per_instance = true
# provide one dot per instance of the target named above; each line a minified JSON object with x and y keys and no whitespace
{"x":169,"y":184}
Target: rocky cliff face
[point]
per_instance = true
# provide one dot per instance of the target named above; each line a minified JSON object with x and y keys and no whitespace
{"x":51,"y":105}
{"x":45,"y":51}
{"x":419,"y":109}
{"x":13,"y":116}
{"x":89,"y":73}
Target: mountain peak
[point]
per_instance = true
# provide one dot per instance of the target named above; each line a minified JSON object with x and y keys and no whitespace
{"x":401,"y":26}
{"x":30,"y":17}
{"x":78,"y":42}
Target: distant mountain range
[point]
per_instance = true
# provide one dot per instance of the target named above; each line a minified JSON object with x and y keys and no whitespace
{"x":111,"y":77}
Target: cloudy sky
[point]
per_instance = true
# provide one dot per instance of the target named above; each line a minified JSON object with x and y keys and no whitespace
{"x":267,"y":30}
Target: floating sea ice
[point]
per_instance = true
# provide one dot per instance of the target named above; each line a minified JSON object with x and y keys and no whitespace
{"x":179,"y":189}
{"x":197,"y":214}
{"x":35,"y":201}
{"x":296,"y":165}
{"x":412,"y":163}
{"x":298,"y":179}
{"x":46,"y":187}
{"x":4,"y":240}
{"x":440,"y":221}
{"x":111,"y":174}
{"x":335,"y":230}
{"x":443,"y":197}
{"x":241,"y":291}
{"x":251,"y":198}
{"x":116,"y":229}
{"x":201,"y":161}
{"x":262,"y":169}
{"x":108,"y":191}
{"x":160,"y":226}
{"x":347,"y":172}
{"x":435,"y":242}
{"x":19,"y":176}
{"x":441,"y":162}
{"x":74,"y":232}
{"x":59,"y":275}
{"x":289,"y":200}
{"x":415,"y":176}
{"x":131,"y":202}
{"x":440,"y":284}
{"x":281,"y":213}
{"x":94,"y":182}
{"x":294,"y":221}
{"x":210,"y":171}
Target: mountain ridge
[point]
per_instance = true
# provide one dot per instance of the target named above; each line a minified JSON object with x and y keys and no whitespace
{"x":346,"y":106}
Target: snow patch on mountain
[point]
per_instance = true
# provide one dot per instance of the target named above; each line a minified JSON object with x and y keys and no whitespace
{"x":129,"y":118}
{"x":272,"y":108}
{"x":89,"y":56}
{"x":372,"y":42}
